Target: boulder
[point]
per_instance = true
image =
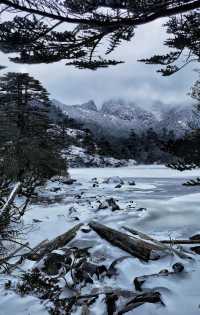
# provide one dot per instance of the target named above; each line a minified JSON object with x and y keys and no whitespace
{"x":178,"y":267}
{"x":69,"y":181}
{"x":55,"y":189}
{"x":112,"y":203}
{"x":118,"y":186}
{"x":103,"y":205}
{"x":114,"y":180}
{"x":131,"y":183}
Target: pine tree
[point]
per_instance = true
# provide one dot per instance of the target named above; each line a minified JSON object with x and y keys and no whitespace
{"x":133,"y":145}
{"x":29,"y":152}
{"x":187,"y":149}
{"x":88,"y":142}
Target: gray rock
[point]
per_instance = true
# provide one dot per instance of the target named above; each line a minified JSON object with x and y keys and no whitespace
{"x":69,"y":181}
{"x":178,"y":267}
{"x":131,"y":183}
{"x":55,"y":189}
{"x":118,"y":186}
{"x":114,"y":180}
{"x":103,"y":205}
{"x":112,"y":203}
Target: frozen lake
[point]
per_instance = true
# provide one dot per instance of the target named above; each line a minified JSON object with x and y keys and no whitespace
{"x":140,"y":171}
{"x":158,"y":205}
{"x":159,"y":181}
{"x":159,"y":189}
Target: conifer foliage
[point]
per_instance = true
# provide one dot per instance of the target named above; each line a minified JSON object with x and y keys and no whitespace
{"x":184,"y":44}
{"x":46,"y":31}
{"x":28,"y":144}
{"x":187,"y":149}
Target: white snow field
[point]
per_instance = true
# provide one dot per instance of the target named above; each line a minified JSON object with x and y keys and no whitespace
{"x":158,"y":205}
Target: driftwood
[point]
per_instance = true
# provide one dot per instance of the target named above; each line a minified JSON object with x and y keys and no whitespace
{"x":12,"y":255}
{"x":10,"y":200}
{"x":110,"y":301}
{"x":139,"y":281}
{"x":112,"y":295}
{"x":134,"y":246}
{"x":161,"y":245}
{"x":150,"y":297}
{"x":45,"y":247}
{"x":180,"y":242}
{"x":196,"y":249}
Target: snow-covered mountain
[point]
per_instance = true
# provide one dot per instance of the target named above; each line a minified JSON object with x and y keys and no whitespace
{"x":118,"y":118}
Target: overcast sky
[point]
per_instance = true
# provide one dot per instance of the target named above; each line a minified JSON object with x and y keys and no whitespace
{"x":131,"y":81}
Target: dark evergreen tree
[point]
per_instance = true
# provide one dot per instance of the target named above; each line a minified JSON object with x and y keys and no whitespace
{"x":133,"y":145}
{"x":29,"y":149}
{"x":104,"y":147}
{"x":187,"y":149}
{"x":88,"y":142}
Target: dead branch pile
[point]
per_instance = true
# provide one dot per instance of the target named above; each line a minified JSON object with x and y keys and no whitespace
{"x":57,"y":262}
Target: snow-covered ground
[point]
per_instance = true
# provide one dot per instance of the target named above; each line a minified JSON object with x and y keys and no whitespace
{"x":79,"y":157}
{"x":158,"y":205}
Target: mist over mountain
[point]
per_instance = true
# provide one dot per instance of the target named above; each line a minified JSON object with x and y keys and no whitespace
{"x":117,"y":118}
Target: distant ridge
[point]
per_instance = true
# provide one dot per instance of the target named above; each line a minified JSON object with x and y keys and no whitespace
{"x":117,"y":118}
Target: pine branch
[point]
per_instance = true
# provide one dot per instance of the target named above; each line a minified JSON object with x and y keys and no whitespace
{"x":55,"y":14}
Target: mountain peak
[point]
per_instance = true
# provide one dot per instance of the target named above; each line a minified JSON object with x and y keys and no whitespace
{"x":89,"y":105}
{"x":126,"y":111}
{"x":117,"y":118}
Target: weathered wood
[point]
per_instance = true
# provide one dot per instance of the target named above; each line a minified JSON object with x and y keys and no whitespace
{"x":145,"y":237}
{"x":139,"y":281}
{"x":180,"y":242}
{"x":12,"y":255}
{"x":196,"y":249}
{"x":46,"y":246}
{"x":10,"y":200}
{"x":134,"y":246}
{"x":150,"y":297}
{"x":160,"y":244}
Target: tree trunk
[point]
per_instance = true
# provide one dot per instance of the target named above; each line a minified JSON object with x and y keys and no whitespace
{"x":46,"y":246}
{"x":134,"y":246}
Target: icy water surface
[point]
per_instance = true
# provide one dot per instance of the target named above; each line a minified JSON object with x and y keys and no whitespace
{"x":160,"y":190}
{"x":158,"y":205}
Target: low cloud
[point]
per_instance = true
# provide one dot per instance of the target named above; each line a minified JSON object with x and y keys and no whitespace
{"x":132,"y":81}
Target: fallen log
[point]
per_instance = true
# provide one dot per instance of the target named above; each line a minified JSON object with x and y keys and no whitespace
{"x":134,"y":246}
{"x":45,"y":247}
{"x":196,"y":249}
{"x":160,"y":244}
